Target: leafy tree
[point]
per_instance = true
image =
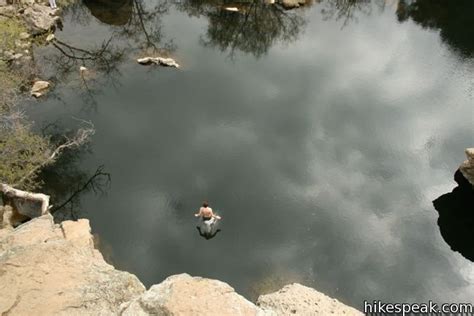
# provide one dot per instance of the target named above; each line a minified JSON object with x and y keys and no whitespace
{"x":255,"y":28}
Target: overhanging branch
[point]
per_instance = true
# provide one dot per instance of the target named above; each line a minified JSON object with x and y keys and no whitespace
{"x":11,"y":192}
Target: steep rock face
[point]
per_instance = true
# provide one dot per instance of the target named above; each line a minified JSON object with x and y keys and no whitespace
{"x":467,"y":167}
{"x":296,"y":299}
{"x":185,"y":295}
{"x":50,"y":269}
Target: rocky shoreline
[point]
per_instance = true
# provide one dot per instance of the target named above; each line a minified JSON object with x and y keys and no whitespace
{"x":24,"y":24}
{"x":27,"y":20}
{"x":54,"y":269}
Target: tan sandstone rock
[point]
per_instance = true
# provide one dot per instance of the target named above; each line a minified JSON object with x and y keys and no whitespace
{"x":185,"y":295}
{"x":39,"y":18}
{"x":50,"y":269}
{"x":296,"y":299}
{"x":467,"y":167}
{"x":39,"y":88}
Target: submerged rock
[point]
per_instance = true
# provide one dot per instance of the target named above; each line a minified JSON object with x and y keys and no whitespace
{"x":467,"y":167}
{"x":39,"y":88}
{"x":83,"y":71}
{"x":51,"y":269}
{"x":169,"y":62}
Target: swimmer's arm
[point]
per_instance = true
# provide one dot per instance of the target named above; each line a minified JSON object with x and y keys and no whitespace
{"x":198,"y":213}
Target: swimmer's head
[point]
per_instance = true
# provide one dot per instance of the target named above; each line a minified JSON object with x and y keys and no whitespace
{"x":205,"y":204}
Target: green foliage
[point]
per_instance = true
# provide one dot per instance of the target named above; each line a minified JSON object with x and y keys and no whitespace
{"x":21,"y":153}
{"x":9,"y":83}
{"x":10,"y":30}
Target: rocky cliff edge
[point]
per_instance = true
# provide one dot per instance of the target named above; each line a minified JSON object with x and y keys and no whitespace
{"x":54,"y":269}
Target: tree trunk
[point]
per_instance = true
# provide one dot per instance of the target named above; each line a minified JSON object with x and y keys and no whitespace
{"x":11,"y":193}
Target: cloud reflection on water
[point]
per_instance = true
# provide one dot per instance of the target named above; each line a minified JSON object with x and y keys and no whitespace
{"x":323,"y":158}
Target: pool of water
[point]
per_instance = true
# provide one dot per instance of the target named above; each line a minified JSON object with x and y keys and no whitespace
{"x":321,"y":135}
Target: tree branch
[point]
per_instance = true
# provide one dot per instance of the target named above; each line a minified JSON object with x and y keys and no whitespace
{"x":80,"y":138}
{"x":11,"y":192}
{"x":89,"y":183}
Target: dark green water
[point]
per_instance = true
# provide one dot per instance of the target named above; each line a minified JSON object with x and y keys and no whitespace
{"x":320,"y":135}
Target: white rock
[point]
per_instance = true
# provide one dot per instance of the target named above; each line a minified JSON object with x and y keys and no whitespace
{"x":40,"y":88}
{"x":17,"y":56}
{"x":50,"y":38}
{"x":24,"y":35}
{"x":232,"y":9}
{"x":169,"y":62}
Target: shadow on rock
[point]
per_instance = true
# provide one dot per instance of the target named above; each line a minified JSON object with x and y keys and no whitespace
{"x":456,"y":216}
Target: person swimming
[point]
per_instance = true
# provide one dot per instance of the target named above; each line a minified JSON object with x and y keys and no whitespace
{"x":207,"y":228}
{"x":206,"y":213}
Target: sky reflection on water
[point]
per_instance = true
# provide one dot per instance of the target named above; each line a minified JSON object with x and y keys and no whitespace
{"x":323,"y":155}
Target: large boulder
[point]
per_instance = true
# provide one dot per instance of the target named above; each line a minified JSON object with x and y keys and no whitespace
{"x":467,"y":167}
{"x":296,"y":299}
{"x":185,"y":295}
{"x":51,"y":269}
{"x":39,"y":18}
